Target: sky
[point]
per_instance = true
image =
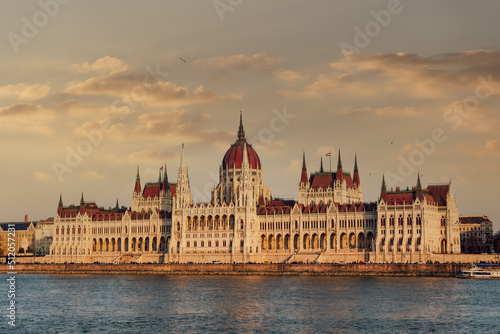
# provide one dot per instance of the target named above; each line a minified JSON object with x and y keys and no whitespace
{"x":91,"y":90}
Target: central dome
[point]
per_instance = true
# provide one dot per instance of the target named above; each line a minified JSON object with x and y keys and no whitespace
{"x":233,"y":158}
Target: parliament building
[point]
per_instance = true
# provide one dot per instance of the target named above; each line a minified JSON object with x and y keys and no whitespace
{"x":243,"y":222}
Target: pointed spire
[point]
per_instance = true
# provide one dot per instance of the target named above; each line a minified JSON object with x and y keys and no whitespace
{"x":60,"y":207}
{"x":117,"y":207}
{"x":383,"y":192}
{"x":82,"y":202}
{"x":241,"y":132}
{"x":137,"y":188}
{"x":303,"y":176}
{"x":419,"y":184}
{"x":340,"y":172}
{"x":355,"y":178}
{"x":321,"y":166}
{"x":339,"y":162}
{"x":165,"y":176}
{"x":182,"y":155}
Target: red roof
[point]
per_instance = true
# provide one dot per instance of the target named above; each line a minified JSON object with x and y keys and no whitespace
{"x":234,"y":156}
{"x":326,"y":180}
{"x":173,"y":189}
{"x":151,"y":190}
{"x":474,"y":219}
{"x":356,"y":178}
{"x":439,"y":193}
{"x":399,"y":198}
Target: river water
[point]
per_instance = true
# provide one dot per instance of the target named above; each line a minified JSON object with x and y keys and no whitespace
{"x":250,"y":304}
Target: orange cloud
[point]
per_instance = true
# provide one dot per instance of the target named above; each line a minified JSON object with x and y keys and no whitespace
{"x":26,"y":92}
{"x":440,"y":76}
{"x":105,"y":64}
{"x":491,"y":147}
{"x":290,"y":76}
{"x":256,"y":62}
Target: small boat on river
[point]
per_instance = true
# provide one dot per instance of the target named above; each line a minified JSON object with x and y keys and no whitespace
{"x":481,"y":271}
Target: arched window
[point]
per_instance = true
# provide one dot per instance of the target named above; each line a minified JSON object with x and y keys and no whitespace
{"x":57,"y":230}
{"x":400,"y":220}
{"x":391,"y":220}
{"x":382,"y":221}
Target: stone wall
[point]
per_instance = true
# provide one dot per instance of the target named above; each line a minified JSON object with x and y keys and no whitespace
{"x":277,"y":257}
{"x":443,"y":270}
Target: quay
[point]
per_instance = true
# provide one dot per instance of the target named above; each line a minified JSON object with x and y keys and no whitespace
{"x":369,"y":269}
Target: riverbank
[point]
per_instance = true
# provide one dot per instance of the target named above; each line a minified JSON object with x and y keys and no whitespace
{"x":400,"y":270}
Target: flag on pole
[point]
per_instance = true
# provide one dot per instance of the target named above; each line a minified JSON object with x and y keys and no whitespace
{"x":161,"y":168}
{"x":329,"y":154}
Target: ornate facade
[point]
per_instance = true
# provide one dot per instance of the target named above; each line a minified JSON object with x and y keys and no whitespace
{"x":244,"y":223}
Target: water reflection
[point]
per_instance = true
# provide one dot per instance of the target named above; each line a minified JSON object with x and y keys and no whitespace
{"x":253,"y":304}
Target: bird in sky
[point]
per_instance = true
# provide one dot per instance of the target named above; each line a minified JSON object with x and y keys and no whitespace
{"x":182,"y":59}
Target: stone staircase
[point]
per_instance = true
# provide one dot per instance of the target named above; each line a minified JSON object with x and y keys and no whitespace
{"x":129,"y":258}
{"x":305,"y":256}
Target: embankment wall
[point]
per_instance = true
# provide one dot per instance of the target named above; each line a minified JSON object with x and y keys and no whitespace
{"x":438,"y":270}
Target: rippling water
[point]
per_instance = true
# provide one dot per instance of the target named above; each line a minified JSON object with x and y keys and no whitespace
{"x":251,"y":304}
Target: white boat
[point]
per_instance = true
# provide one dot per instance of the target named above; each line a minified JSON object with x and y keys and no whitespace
{"x":481,"y":272}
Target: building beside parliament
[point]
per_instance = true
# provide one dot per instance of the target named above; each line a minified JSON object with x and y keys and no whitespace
{"x":244,"y":223}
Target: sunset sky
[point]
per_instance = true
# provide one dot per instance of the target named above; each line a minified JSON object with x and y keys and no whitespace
{"x":89,"y":90}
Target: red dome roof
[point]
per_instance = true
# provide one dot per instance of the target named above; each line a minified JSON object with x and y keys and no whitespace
{"x":234,"y":156}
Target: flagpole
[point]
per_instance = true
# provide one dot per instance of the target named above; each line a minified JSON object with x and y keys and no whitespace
{"x":330,"y":161}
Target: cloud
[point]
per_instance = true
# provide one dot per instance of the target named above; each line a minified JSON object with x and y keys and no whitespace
{"x":42,"y":176}
{"x":105,"y":64}
{"x":294,"y":167}
{"x":491,"y":147}
{"x":238,"y":61}
{"x":20,"y":109}
{"x":393,"y":111}
{"x":290,"y":77}
{"x":26,"y":92}
{"x":275,"y":146}
{"x":158,"y":94}
{"x":93,"y":175}
{"x":177,"y":125}
{"x":149,"y":155}
{"x":439,"y":76}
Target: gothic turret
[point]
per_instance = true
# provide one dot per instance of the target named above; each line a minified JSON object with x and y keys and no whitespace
{"x":137,"y":188}
{"x":303,"y":176}
{"x":165,"y":185}
{"x":82,"y":205}
{"x":60,"y":206}
{"x":383,"y":191}
{"x":183,"y":192}
{"x":355,"y":177}
{"x":340,"y":172}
